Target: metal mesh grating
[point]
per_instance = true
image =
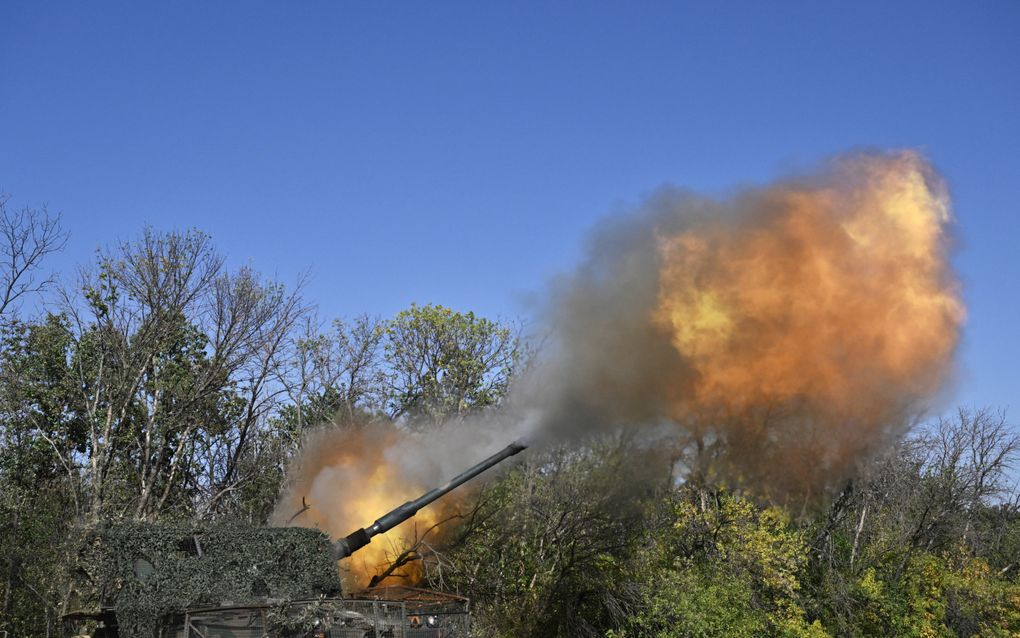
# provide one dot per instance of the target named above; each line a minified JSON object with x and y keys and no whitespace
{"x":348,"y":618}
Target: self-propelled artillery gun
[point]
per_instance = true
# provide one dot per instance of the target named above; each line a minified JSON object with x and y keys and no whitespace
{"x":140,"y":580}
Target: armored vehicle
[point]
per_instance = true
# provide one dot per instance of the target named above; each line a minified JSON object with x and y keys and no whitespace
{"x":141,"y":580}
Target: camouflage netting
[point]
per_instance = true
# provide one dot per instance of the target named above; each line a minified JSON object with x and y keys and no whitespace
{"x":147,"y":571}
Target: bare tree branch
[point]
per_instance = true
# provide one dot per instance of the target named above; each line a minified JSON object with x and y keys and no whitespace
{"x":27,"y":236}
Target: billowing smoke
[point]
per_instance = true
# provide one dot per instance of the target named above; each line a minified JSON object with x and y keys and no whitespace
{"x":787,"y":332}
{"x":782,"y":335}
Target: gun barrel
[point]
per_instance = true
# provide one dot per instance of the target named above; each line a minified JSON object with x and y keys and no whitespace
{"x":356,"y":540}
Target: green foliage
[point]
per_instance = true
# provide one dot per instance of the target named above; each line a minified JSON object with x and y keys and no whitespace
{"x":707,"y":562}
{"x":39,"y":433}
{"x":703,"y":601}
{"x":980,"y":602}
{"x":443,"y":363}
{"x":935,"y":596}
{"x":549,"y":550}
{"x":725,"y":567}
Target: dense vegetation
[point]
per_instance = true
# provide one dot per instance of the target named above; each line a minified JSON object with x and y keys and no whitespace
{"x":924,"y":542}
{"x":162,"y":386}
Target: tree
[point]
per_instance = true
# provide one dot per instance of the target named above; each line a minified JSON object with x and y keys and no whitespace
{"x":444,"y":364}
{"x":333,"y":376}
{"x":724,"y":567}
{"x":920,"y":516}
{"x":37,"y":429}
{"x":27,"y":236}
{"x":548,"y":549}
{"x":173,"y":359}
{"x":34,"y":424}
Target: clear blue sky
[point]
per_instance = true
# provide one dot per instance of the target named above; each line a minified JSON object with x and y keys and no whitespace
{"x":458,"y":152}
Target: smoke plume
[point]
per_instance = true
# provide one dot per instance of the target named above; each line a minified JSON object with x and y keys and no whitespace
{"x":791,"y":329}
{"x":783,"y":335}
